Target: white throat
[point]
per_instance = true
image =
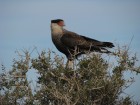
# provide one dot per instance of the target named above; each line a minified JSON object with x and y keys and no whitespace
{"x":56,"y":29}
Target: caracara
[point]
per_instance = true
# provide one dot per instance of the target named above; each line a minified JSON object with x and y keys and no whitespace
{"x":73,"y":44}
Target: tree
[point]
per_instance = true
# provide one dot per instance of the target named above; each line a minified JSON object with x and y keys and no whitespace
{"x":14,"y":87}
{"x":94,"y":81}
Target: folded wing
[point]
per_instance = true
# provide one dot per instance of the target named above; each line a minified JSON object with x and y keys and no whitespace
{"x":72,"y":40}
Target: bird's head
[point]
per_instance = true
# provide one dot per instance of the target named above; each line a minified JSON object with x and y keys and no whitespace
{"x":57,"y":26}
{"x":59,"y":22}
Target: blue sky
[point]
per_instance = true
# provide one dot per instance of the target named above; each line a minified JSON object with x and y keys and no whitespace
{"x":25,"y":24}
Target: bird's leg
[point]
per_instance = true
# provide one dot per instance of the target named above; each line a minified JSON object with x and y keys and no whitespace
{"x":70,"y":53}
{"x":90,"y":48}
{"x":76,"y":52}
{"x":70,"y":64}
{"x":67,"y":64}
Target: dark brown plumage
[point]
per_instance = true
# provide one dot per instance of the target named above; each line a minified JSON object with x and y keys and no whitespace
{"x":72,"y":44}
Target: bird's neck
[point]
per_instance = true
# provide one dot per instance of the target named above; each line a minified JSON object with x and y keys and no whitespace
{"x":56,"y":29}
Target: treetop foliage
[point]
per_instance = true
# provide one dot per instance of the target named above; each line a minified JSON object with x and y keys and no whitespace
{"x":95,"y":80}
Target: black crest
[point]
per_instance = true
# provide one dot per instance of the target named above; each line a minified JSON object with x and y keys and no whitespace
{"x":56,"y":20}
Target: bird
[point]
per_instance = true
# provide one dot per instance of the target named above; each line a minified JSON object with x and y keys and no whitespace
{"x":74,"y":45}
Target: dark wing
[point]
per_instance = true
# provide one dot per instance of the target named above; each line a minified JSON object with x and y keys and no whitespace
{"x":72,"y":39}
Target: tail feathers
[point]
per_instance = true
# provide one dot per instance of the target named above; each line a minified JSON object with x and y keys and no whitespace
{"x":108,"y":44}
{"x":99,"y":49}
